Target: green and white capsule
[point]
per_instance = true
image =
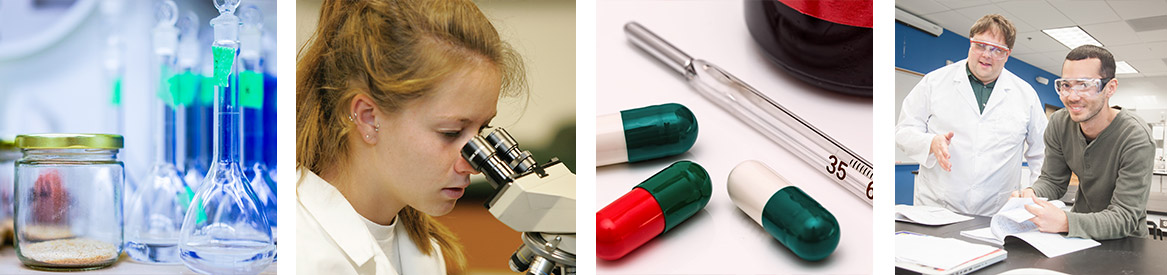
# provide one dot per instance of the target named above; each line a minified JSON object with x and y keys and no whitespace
{"x":788,"y":214}
{"x":644,"y":133}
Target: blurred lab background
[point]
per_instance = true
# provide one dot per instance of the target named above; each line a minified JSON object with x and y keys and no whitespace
{"x":88,"y":66}
{"x":543,"y":32}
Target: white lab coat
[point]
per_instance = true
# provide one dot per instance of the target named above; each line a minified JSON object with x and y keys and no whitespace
{"x":987,"y":148}
{"x":331,"y":238}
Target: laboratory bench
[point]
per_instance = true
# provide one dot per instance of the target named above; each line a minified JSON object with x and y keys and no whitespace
{"x":10,"y":264}
{"x":1121,"y":256}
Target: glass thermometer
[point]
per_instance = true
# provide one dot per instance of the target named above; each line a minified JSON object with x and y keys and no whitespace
{"x":835,"y":160}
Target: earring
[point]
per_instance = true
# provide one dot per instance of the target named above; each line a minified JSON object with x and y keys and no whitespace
{"x":350,"y":117}
{"x":377,"y":128}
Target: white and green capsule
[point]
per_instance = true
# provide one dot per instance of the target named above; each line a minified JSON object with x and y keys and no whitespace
{"x":644,"y":133}
{"x":788,"y":214}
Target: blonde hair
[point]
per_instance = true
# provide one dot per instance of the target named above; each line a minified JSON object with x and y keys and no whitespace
{"x":393,"y":52}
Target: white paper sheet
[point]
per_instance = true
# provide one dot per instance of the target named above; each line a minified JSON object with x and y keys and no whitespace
{"x":1013,"y":220}
{"x":1053,"y":245}
{"x":928,"y":215}
{"x":943,"y":253}
{"x":983,"y":234}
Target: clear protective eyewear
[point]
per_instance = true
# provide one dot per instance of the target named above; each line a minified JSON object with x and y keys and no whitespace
{"x":995,"y":50}
{"x":1083,"y":87}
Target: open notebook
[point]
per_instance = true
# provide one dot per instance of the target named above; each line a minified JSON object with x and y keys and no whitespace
{"x":1013,"y":220}
{"x":934,"y":255}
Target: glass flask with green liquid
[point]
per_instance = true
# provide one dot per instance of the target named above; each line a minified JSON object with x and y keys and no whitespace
{"x":224,"y":231}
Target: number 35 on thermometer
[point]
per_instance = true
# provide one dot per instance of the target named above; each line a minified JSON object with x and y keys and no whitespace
{"x":837,"y":169}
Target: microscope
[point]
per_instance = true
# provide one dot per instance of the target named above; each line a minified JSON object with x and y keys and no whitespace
{"x":535,"y":199}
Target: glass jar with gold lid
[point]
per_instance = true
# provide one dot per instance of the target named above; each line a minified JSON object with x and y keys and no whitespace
{"x":68,"y":201}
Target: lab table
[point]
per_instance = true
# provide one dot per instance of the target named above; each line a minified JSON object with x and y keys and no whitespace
{"x":10,"y":264}
{"x":1121,"y":256}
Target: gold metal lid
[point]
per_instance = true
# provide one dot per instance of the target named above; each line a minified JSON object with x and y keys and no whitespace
{"x":8,"y":144}
{"x":69,"y":141}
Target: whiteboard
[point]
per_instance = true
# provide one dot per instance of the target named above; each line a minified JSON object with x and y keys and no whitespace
{"x":905,"y":81}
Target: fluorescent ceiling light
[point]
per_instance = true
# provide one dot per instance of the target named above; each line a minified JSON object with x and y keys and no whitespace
{"x":1122,"y":67}
{"x":1072,"y":37}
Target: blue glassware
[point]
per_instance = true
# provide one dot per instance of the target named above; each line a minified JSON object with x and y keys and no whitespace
{"x":157,"y":207}
{"x":224,"y":231}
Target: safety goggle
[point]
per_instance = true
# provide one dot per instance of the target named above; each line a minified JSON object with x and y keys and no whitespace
{"x":1083,"y":87}
{"x":997,"y":51}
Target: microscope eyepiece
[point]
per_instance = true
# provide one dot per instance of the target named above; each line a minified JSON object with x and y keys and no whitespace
{"x":509,"y":152}
{"x":498,"y":156}
{"x":483,"y":158}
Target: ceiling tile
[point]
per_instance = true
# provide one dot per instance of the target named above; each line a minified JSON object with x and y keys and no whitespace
{"x":1057,"y":55}
{"x":1086,"y":12}
{"x":1045,"y":61}
{"x":1037,"y":14}
{"x":1112,"y":33}
{"x":1039,"y":42}
{"x":1159,"y":49}
{"x":1152,"y":23}
{"x":977,"y":12}
{"x":956,"y":4}
{"x":952,"y":21}
{"x":920,"y":7}
{"x":1147,"y":66}
{"x":1021,"y":48}
{"x":1138,"y":9}
{"x":1152,"y":36}
{"x":1132,"y":52}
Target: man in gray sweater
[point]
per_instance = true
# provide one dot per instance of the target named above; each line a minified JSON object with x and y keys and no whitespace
{"x":1110,"y":150}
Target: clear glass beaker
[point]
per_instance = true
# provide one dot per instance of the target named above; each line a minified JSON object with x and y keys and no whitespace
{"x":68,"y":206}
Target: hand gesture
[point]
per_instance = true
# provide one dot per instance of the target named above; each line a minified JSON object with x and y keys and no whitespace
{"x":940,"y":150}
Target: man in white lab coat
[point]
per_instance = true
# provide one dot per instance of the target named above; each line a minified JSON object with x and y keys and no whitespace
{"x":970,"y":123}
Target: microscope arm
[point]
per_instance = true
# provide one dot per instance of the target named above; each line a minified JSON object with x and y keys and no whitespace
{"x":534,"y":203}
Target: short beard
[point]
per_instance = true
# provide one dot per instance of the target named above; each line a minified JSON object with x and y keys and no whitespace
{"x":1088,"y":116}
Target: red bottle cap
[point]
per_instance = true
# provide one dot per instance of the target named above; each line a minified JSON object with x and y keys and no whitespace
{"x":848,"y":12}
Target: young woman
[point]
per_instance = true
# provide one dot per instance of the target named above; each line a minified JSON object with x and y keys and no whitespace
{"x":387,"y":94}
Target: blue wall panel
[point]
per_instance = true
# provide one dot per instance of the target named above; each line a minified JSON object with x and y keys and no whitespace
{"x":921,"y":52}
{"x":904,"y":180}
